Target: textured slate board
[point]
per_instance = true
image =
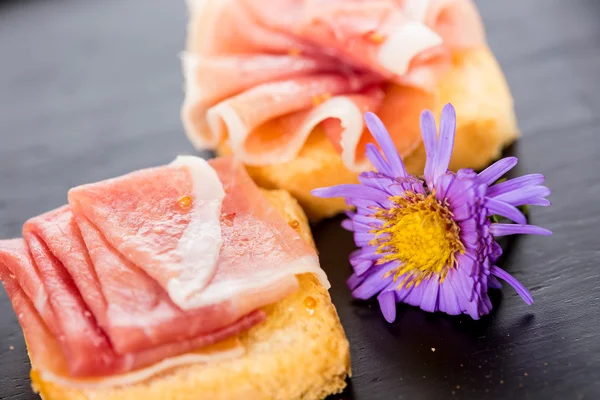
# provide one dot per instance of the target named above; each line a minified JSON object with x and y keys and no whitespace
{"x":91,"y":90}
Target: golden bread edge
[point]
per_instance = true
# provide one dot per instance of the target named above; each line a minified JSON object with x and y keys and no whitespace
{"x":299,"y":352}
{"x":486,"y":123}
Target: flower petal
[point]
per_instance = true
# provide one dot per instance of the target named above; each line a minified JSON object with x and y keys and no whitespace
{"x":506,"y":210}
{"x":448,"y":302}
{"x":496,"y":251}
{"x":374,"y":282}
{"x":492,"y":173}
{"x":514,"y":184}
{"x":442,"y":185}
{"x":466,"y":306}
{"x":402,"y":293}
{"x":363,"y":206}
{"x":525,"y":195}
{"x":387,"y":303}
{"x":515,"y":229}
{"x":351,"y":190}
{"x":430,"y":295}
{"x":415,"y":296}
{"x":347,"y":225}
{"x":365,"y":253}
{"x":374,"y":155}
{"x":466,"y":264}
{"x":520,"y":289}
{"x":361,"y":267}
{"x":354,"y":281}
{"x":382,"y":136}
{"x":462,"y":212}
{"x":429,"y":133}
{"x":445,"y":143}
{"x":362,"y":238}
{"x":367,"y":221}
{"x":494,"y":283}
{"x":376,"y":180}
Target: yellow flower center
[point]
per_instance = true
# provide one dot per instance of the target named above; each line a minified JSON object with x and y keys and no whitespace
{"x":420,"y":233}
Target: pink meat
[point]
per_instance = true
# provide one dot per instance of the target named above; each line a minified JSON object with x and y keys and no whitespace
{"x":93,"y":275}
{"x":259,"y":257}
{"x":258,"y":243}
{"x":42,"y":345}
{"x":83,"y":344}
{"x":140,"y":215}
{"x":242,"y":114}
{"x":403,"y":42}
{"x":20,"y":267}
{"x":57,"y":229}
{"x":140,"y":313}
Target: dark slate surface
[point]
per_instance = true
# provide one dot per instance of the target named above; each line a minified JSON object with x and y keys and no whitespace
{"x":91,"y":90}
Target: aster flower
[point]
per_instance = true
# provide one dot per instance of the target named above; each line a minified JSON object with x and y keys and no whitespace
{"x":430,"y":241}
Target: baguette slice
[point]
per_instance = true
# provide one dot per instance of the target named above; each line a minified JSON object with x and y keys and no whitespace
{"x":299,"y":352}
{"x":486,"y":123}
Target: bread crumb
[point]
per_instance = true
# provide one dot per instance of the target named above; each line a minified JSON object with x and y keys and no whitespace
{"x":433,"y":349}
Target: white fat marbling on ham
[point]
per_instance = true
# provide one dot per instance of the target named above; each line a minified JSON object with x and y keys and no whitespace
{"x":269,"y":282}
{"x":416,"y":9}
{"x":144,"y":374}
{"x":201,"y":241}
{"x":41,"y":299}
{"x":194,"y":108}
{"x":297,"y":131}
{"x":404,"y":44}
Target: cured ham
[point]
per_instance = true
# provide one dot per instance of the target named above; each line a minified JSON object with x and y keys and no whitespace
{"x":267,"y":119}
{"x":164,"y":220}
{"x":85,"y":348}
{"x":141,"y":273}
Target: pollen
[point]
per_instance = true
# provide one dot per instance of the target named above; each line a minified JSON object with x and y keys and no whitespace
{"x":420,"y":233}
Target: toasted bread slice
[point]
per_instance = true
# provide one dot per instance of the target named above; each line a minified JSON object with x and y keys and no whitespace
{"x":299,"y":352}
{"x":486,"y":123}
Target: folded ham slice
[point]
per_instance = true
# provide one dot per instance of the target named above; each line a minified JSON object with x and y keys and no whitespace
{"x":50,"y":358}
{"x":268,"y":118}
{"x":94,"y":280}
{"x":164,"y":220}
{"x":86,"y":350}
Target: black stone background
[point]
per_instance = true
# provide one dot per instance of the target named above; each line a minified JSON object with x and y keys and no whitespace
{"x":92,"y":89}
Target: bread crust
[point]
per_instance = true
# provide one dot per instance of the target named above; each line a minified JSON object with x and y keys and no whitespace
{"x":299,"y":352}
{"x":486,"y":123}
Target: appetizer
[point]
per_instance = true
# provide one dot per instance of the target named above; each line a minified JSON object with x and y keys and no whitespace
{"x":284,"y":87}
{"x":182,"y":281}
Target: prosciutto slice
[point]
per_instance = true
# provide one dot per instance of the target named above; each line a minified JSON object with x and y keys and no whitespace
{"x":266,"y":119}
{"x":85,"y":348}
{"x":93,"y":281}
{"x":127,"y":304}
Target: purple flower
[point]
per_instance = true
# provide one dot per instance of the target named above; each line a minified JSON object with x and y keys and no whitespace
{"x":429,"y":241}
